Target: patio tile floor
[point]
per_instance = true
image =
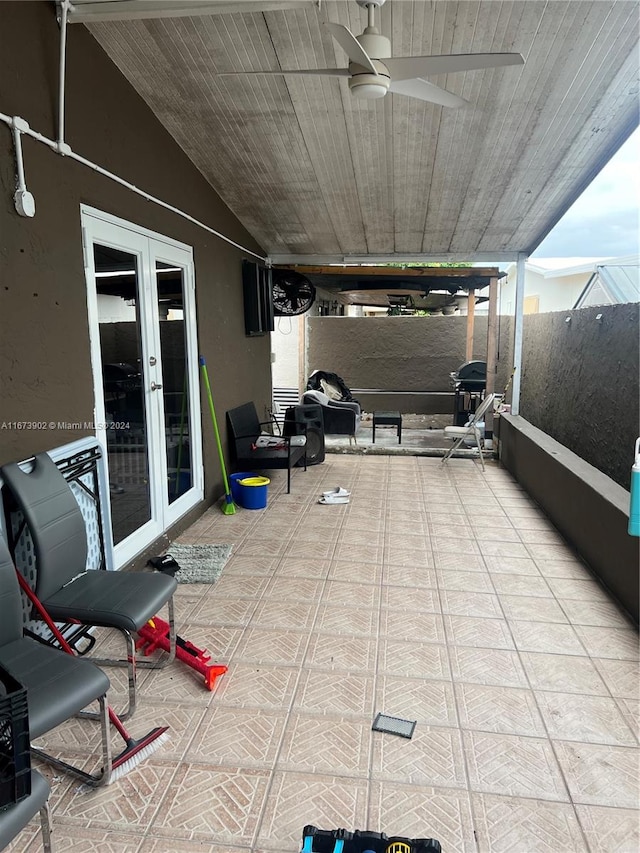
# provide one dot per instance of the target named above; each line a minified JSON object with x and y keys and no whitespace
{"x":439,"y":593}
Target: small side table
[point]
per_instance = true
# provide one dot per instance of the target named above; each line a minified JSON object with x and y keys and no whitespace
{"x":387,"y":419}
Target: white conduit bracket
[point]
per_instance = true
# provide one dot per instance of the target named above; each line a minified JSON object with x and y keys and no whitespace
{"x":23,"y":200}
{"x":19,"y":126}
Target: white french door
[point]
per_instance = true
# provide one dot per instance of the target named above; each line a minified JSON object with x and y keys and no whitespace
{"x":142,"y":322}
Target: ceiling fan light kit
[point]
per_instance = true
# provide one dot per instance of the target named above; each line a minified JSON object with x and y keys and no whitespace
{"x":363,"y":84}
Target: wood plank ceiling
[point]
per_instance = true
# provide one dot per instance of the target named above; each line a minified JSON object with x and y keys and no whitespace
{"x":315,"y":173}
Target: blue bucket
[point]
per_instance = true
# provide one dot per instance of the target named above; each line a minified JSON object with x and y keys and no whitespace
{"x":236,"y":488}
{"x":253,"y":492}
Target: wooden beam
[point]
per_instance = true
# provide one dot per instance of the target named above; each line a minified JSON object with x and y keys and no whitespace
{"x":400,"y":272}
{"x":132,"y":10}
{"x":471,"y":314}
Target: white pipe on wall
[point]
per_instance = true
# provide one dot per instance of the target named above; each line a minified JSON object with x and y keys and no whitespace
{"x":65,"y":150}
{"x":64,"y":11}
{"x":17,"y":141}
{"x":23,"y":200}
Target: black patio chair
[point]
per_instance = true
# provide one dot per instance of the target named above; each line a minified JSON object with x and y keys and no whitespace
{"x":124,"y":601}
{"x":59,"y":686}
{"x":245,"y":429}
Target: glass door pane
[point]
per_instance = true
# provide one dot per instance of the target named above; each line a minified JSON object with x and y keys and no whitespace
{"x":126,"y":417}
{"x":142,"y":326}
{"x":170,"y":283}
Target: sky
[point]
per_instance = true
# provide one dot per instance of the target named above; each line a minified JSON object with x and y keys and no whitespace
{"x":604,"y":222}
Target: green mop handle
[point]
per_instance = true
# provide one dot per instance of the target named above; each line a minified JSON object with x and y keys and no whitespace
{"x":205,"y":373}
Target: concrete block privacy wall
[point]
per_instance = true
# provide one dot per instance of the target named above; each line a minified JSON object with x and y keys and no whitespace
{"x":411,"y":354}
{"x":580,"y":381}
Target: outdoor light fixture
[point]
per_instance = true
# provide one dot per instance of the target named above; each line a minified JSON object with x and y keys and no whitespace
{"x":369,"y":86}
{"x":567,"y":320}
{"x":598,"y":318}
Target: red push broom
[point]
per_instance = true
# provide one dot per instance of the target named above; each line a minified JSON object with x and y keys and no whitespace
{"x":135,"y":751}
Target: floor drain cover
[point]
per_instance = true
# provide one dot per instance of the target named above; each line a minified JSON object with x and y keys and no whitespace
{"x":394,"y":725}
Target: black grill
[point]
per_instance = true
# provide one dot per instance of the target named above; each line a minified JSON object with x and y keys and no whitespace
{"x":469,"y":382}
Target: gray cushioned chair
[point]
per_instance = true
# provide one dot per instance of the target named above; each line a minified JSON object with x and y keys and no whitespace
{"x":340,"y":417}
{"x":59,"y":686}
{"x":13,"y":819}
{"x":124,"y":601}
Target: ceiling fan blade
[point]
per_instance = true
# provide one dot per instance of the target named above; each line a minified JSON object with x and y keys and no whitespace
{"x":351,"y":46}
{"x":308,"y":72}
{"x":411,"y":67}
{"x":88,"y":11}
{"x":424,"y":91}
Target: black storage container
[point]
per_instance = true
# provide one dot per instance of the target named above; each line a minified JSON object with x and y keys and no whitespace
{"x":15,"y":756}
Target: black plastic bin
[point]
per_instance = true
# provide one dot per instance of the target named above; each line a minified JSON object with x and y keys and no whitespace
{"x":15,"y":756}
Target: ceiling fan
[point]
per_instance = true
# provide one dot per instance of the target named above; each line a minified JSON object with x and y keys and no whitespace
{"x":372,"y":71}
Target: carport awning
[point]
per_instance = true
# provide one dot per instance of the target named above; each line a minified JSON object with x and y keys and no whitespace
{"x":380,"y":286}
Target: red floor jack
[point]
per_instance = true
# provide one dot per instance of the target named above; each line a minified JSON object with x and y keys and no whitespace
{"x":155,"y":635}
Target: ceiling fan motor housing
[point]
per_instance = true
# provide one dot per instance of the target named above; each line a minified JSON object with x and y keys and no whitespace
{"x":375,"y":44}
{"x":363,"y":83}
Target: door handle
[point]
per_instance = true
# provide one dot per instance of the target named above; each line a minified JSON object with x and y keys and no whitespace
{"x":155,"y":387}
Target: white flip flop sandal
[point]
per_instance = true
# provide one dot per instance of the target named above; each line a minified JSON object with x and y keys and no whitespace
{"x":328,"y":499}
{"x":338,"y":492}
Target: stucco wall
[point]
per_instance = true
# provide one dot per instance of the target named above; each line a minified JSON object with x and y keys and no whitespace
{"x":590,"y":510}
{"x":45,"y":366}
{"x":399,"y":353}
{"x":580,"y":383}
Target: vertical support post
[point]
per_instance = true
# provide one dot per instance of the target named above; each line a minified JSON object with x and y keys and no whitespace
{"x":492,"y":350}
{"x":517,"y":334}
{"x":302,"y":355}
{"x":471,"y":312}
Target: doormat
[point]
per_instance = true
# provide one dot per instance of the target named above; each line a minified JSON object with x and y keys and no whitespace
{"x":199,"y":563}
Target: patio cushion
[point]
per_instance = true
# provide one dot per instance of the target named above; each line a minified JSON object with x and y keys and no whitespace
{"x":113,"y":599}
{"x":58,"y":685}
